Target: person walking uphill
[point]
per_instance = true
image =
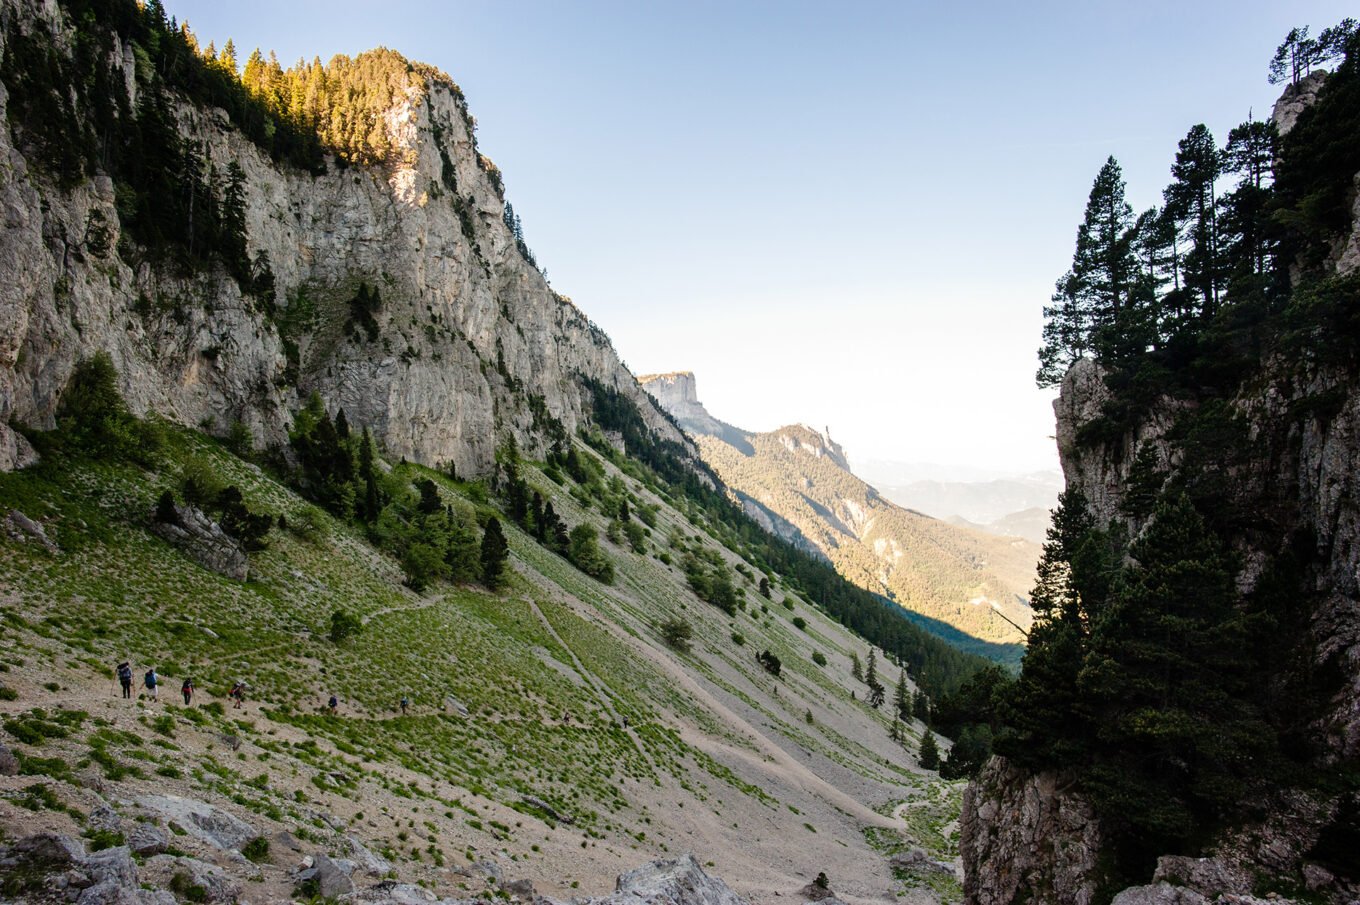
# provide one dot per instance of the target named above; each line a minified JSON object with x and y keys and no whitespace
{"x":187,"y":689}
{"x":149,"y":682}
{"x":125,"y":678}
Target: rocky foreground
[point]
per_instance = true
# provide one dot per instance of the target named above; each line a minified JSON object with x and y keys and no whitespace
{"x":49,"y":867}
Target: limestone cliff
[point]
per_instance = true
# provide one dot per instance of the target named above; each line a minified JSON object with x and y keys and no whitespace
{"x":472,"y":344}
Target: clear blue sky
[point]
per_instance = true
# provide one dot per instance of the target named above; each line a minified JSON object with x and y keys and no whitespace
{"x":847,"y":214}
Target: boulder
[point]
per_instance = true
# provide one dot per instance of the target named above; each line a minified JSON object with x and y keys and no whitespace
{"x":671,"y":881}
{"x":1209,"y":877}
{"x":205,"y":541}
{"x":9,"y":764}
{"x":369,"y":862}
{"x":201,"y":820}
{"x":46,"y":852}
{"x":331,"y":880}
{"x":520,"y":889}
{"x":22,"y":528}
{"x":103,"y":817}
{"x":192,"y":879}
{"x":147,"y":839}
{"x":112,"y":865}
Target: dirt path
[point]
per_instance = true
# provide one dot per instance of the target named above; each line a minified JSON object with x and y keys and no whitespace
{"x":602,"y":692}
{"x":425,"y":602}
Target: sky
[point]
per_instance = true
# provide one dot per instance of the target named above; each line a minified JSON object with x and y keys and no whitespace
{"x":845,"y":214}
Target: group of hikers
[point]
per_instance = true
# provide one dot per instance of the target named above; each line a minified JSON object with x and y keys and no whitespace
{"x":151,"y":681}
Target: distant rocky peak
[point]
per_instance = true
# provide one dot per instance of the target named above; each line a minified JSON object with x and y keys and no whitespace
{"x":803,"y":438}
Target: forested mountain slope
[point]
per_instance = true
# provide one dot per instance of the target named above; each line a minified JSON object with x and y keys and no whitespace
{"x":799,"y":481}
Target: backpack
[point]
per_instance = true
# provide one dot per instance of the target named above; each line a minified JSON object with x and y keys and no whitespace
{"x":124,"y":673}
{"x":150,"y":679}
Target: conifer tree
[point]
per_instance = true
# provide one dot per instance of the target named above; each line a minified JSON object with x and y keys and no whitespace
{"x":1191,"y":198}
{"x":929,"y":754}
{"x":856,"y":669}
{"x":902,"y":697}
{"x":1169,"y":679}
{"x":495,"y":554}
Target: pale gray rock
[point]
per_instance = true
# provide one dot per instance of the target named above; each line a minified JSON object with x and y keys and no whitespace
{"x":1295,"y":99}
{"x":48,"y":852}
{"x":205,"y":541}
{"x":368,"y":861}
{"x":331,"y":879}
{"x":147,"y":839}
{"x":201,"y":820}
{"x":674,"y":881}
{"x":22,"y":528}
{"x":9,"y":764}
{"x":216,"y":886}
{"x":112,"y":865}
{"x":103,"y":817}
{"x":468,"y":328}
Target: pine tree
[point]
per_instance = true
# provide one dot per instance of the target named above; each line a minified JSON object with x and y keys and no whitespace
{"x":1048,"y":723}
{"x":1246,"y":211}
{"x":902,"y":697}
{"x":895,"y":729}
{"x":1170,"y":682}
{"x":875,"y":696}
{"x":1191,"y":198}
{"x":929,"y":753}
{"x":495,"y":554}
{"x":855,"y":669}
{"x":372,"y":504}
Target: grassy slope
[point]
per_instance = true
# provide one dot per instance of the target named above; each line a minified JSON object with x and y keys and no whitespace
{"x":573,"y":699}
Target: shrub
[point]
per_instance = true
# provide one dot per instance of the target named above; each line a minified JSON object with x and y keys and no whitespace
{"x":769,"y":662}
{"x":257,"y":849}
{"x":819,"y":658}
{"x":677,"y":633}
{"x":344,"y":625}
{"x":738,"y":639}
{"x":800,"y":623}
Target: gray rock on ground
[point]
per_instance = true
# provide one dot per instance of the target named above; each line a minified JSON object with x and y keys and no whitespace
{"x":9,"y":764}
{"x":216,"y":887}
{"x":369,"y":862}
{"x":147,"y":839}
{"x":206,"y":542}
{"x":201,"y":820}
{"x":673,"y":881}
{"x":332,"y":881}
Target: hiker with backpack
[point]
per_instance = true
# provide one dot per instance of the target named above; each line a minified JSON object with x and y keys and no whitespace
{"x":149,"y":682}
{"x":332,"y":704}
{"x":125,"y":678}
{"x":404,"y":704}
{"x":187,"y":689}
{"x":238,"y":695}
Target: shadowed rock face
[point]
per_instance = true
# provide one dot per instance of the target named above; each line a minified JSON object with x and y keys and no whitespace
{"x":469,"y":332}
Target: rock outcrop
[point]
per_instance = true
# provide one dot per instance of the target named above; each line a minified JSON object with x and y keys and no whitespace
{"x":473,"y":344}
{"x":205,"y":541}
{"x":675,"y":881}
{"x":1027,"y":838}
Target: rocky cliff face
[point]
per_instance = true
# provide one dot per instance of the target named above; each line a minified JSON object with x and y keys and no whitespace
{"x":1301,"y":419}
{"x":473,"y":345}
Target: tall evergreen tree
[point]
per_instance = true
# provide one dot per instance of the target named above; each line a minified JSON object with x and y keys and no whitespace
{"x":902,"y":697}
{"x":1169,"y":678}
{"x":495,"y":554}
{"x":1246,"y":211}
{"x":929,"y":754}
{"x":1191,"y":198}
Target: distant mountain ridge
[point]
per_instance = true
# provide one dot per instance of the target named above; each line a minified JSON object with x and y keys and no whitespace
{"x":797,"y":481}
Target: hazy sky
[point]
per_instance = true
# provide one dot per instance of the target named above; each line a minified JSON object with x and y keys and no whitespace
{"x":846,"y":214}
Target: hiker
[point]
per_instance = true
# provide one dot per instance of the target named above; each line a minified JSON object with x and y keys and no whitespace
{"x":187,"y":689}
{"x":238,"y":695}
{"x":332,"y":704}
{"x":125,"y":678}
{"x":404,"y":704}
{"x":149,"y":682}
